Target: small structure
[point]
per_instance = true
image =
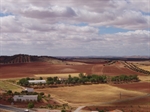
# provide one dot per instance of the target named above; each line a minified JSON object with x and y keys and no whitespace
{"x":25,"y":98}
{"x":26,"y":110}
{"x":37,"y":81}
{"x":61,"y":79}
{"x":29,"y":89}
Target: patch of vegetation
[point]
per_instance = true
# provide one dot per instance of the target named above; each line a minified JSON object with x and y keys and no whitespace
{"x":30,"y":105}
{"x":5,"y":85}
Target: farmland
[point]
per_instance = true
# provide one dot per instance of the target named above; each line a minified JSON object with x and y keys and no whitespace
{"x":5,"y":85}
{"x":96,"y":94}
{"x":100,"y":94}
{"x":62,"y":75}
{"x":43,"y":68}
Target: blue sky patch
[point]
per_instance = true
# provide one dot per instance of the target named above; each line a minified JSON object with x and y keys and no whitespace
{"x":81,"y":24}
{"x":111,"y":30}
{"x":4,"y":14}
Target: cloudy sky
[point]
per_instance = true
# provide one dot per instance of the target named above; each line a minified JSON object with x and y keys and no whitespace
{"x":75,"y":27}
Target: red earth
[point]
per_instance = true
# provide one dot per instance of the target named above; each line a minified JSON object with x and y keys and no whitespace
{"x":30,"y":69}
{"x":124,"y":108}
{"x":136,"y":86}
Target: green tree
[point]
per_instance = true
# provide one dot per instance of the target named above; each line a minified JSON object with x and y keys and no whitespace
{"x":101,"y":111}
{"x":41,"y":78}
{"x":48,"y":95}
{"x":49,"y":106}
{"x":39,"y":97}
{"x":9,"y":92}
{"x":23,"y":82}
{"x":41,"y":93}
{"x":63,"y":111}
{"x":30,"y":105}
{"x":81,"y":75}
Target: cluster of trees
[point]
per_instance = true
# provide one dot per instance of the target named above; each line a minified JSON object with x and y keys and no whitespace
{"x":125,"y":78}
{"x":82,"y":79}
{"x":53,"y":80}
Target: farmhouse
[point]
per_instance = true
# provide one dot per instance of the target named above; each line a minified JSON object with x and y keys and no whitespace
{"x":29,"y":89}
{"x":37,"y":81}
{"x":25,"y":97}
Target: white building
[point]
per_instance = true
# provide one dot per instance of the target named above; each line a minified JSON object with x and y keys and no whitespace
{"x":25,"y":98}
{"x":29,"y":89}
{"x":37,"y":81}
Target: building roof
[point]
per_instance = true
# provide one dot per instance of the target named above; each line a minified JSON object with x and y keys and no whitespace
{"x":28,"y":89}
{"x":37,"y":81}
{"x":27,"y":96}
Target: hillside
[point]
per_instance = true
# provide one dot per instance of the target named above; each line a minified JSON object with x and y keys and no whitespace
{"x":22,"y":58}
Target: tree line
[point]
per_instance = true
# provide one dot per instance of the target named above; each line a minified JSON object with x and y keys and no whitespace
{"x":82,"y":79}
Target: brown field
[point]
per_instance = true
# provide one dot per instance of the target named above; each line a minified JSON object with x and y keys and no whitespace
{"x":124,"y":108}
{"x":31,"y":69}
{"x":144,"y":67}
{"x":90,"y":94}
{"x":144,"y":78}
{"x":96,"y":94}
{"x":140,"y":86}
{"x":142,"y":64}
{"x":62,"y":75}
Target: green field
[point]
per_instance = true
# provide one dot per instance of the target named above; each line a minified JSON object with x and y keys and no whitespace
{"x":6,"y":85}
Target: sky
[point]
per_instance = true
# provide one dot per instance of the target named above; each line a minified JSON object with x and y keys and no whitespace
{"x":75,"y":27}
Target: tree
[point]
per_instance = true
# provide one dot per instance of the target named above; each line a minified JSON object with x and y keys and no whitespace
{"x":81,"y":75}
{"x":41,"y":93}
{"x":49,"y":106}
{"x":41,"y":78}
{"x":23,"y":82}
{"x":9,"y":92}
{"x":30,"y":105}
{"x":39,"y":97}
{"x":101,"y":111}
{"x":63,"y":111}
{"x":55,"y":79}
{"x":48,"y":95}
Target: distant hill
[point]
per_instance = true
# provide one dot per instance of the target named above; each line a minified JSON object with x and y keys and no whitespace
{"x":22,"y":58}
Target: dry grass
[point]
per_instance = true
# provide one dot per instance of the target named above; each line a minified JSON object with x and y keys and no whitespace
{"x":144,"y":78}
{"x":6,"y":85}
{"x":145,"y":67}
{"x":89,"y":94}
{"x":62,"y":75}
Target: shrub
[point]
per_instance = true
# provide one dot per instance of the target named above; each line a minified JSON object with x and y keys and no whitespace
{"x":30,"y":105}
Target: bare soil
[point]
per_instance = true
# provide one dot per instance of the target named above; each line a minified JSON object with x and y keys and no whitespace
{"x":138,"y":86}
{"x":124,"y":108}
{"x":30,"y":69}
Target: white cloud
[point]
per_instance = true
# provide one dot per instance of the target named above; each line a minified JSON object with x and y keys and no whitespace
{"x":51,"y":25}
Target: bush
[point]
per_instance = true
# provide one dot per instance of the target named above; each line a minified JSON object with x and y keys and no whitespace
{"x":101,"y":111}
{"x":30,"y":105}
{"x":63,"y":111}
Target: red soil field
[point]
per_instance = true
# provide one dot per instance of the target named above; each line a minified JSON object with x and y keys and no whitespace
{"x":113,"y":69}
{"x":124,"y":108}
{"x":139,"y":86}
{"x":30,"y":69}
{"x":145,"y":100}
